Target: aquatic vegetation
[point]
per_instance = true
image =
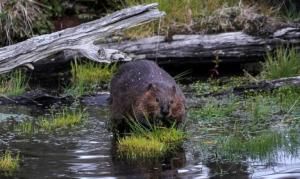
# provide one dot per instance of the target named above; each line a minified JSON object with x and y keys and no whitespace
{"x":8,"y":163}
{"x":134,"y":147}
{"x":214,"y":109}
{"x":252,"y":126}
{"x":152,"y":144}
{"x":284,"y":63}
{"x":259,"y":108}
{"x":13,"y":84}
{"x":65,"y":119}
{"x":288,"y":98}
{"x":218,"y":86}
{"x":172,"y":137}
{"x":88,"y":76}
{"x":161,"y":140}
{"x":60,"y":120}
{"x":261,"y":146}
{"x":27,"y":127}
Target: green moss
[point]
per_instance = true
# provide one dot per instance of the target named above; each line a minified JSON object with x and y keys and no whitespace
{"x":8,"y":163}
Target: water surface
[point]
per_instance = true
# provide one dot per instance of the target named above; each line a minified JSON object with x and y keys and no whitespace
{"x":88,"y":151}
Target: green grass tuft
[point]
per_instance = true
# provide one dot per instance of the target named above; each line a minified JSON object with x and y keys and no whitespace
{"x":62,"y":120}
{"x":27,"y":127}
{"x":261,"y":146}
{"x":161,"y":140}
{"x":284,"y":63}
{"x":172,"y":137}
{"x":87,"y":77}
{"x":8,"y":163}
{"x":134,"y":147}
{"x":13,"y":84}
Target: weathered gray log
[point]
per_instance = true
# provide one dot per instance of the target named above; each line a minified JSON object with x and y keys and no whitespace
{"x":80,"y":38}
{"x":229,"y":47}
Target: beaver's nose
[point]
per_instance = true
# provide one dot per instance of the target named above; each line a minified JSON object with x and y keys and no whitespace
{"x":164,"y":111}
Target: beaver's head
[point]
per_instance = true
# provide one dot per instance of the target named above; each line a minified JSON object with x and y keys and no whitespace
{"x":161,"y":102}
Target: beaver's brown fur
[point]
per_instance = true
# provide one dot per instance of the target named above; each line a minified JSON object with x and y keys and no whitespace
{"x":142,"y":90}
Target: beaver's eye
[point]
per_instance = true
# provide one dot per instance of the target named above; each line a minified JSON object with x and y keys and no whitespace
{"x":156,"y":99}
{"x":171,"y":102}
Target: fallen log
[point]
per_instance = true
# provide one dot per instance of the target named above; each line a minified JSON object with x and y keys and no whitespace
{"x":228,"y":47}
{"x":80,"y":39}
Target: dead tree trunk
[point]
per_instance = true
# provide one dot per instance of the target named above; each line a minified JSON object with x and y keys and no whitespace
{"x":229,"y":47}
{"x":80,"y":38}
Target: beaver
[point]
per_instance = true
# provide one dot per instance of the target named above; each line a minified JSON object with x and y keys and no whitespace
{"x":143,"y":91}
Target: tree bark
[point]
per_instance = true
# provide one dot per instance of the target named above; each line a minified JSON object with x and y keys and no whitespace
{"x":80,"y":39}
{"x":228,"y":47}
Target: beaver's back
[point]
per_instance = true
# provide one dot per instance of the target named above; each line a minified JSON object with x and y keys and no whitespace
{"x":138,"y":75}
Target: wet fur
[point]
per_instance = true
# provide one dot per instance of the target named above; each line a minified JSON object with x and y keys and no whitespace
{"x":142,"y":89}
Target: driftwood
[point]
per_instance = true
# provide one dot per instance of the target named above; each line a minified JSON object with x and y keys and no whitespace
{"x":80,"y":38}
{"x":229,"y":47}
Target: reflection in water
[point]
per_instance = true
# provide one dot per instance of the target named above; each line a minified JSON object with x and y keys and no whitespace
{"x":285,"y":166}
{"x":89,"y":152}
{"x":84,"y":152}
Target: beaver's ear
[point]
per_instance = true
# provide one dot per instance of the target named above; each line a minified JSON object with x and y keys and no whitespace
{"x":173,"y":90}
{"x":151,"y":86}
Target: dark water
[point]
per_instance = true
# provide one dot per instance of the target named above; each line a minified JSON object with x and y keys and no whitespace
{"x":88,"y":152}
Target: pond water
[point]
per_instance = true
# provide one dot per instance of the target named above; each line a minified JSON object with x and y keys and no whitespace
{"x":88,"y":151}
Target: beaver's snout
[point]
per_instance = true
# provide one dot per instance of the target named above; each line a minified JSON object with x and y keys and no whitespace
{"x":164,"y":110}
